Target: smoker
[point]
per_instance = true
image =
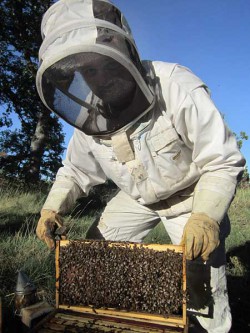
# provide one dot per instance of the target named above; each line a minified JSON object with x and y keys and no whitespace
{"x":25,"y":293}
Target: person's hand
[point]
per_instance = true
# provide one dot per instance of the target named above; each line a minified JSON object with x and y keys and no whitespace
{"x":49,"y":225}
{"x":200,"y":236}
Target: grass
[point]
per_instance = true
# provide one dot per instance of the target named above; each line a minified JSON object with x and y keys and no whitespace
{"x":20,"y":249}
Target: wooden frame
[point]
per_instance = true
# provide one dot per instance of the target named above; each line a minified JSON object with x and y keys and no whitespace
{"x":171,"y":321}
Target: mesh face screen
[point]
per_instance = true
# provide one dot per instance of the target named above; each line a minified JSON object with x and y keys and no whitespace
{"x":118,"y":42}
{"x":107,"y":12}
{"x":92,"y":92}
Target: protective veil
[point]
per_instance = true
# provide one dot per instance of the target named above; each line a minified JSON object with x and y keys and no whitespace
{"x":90,"y":73}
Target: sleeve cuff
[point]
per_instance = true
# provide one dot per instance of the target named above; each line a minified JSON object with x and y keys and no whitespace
{"x":213,"y":196}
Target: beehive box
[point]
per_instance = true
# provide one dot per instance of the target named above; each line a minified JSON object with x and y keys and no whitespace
{"x":122,"y":299}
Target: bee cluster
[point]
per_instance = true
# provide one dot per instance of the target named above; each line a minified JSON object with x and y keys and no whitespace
{"x":121,"y":276}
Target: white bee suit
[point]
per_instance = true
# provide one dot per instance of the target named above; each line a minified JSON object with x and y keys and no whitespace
{"x":180,"y":147}
{"x":171,"y":157}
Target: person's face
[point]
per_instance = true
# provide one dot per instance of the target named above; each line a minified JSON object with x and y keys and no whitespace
{"x":109,"y":80}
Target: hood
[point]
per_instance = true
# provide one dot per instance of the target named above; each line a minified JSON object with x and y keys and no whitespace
{"x":90,"y":72}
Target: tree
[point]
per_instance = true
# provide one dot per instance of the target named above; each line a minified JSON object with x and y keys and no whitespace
{"x":34,"y":150}
{"x":240,"y":138}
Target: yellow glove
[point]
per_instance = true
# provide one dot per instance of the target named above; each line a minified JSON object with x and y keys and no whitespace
{"x":200,"y":236}
{"x":48,"y":226}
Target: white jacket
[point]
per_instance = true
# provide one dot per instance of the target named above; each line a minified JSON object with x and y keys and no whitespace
{"x":183,"y":143}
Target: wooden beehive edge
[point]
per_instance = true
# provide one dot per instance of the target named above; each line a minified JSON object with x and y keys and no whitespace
{"x":139,"y":317}
{"x":175,"y":321}
{"x":184,"y":286}
{"x":57,"y":255}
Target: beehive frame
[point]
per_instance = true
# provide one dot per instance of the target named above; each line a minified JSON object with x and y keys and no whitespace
{"x":172,"y":320}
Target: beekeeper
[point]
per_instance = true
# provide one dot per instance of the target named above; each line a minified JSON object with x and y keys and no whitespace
{"x":151,"y":128}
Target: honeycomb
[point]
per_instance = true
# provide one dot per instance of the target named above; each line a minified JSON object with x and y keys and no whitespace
{"x":123,"y":276}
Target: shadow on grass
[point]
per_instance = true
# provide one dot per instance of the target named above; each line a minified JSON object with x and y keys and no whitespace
{"x":239,"y":287}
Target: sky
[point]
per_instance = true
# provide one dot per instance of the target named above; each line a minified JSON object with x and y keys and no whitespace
{"x":211,"y":37}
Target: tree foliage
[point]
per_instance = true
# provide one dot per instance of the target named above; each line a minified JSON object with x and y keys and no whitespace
{"x":34,"y":149}
{"x":240,"y":138}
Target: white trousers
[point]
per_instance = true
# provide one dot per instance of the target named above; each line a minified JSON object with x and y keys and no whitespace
{"x":124,"y":219}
